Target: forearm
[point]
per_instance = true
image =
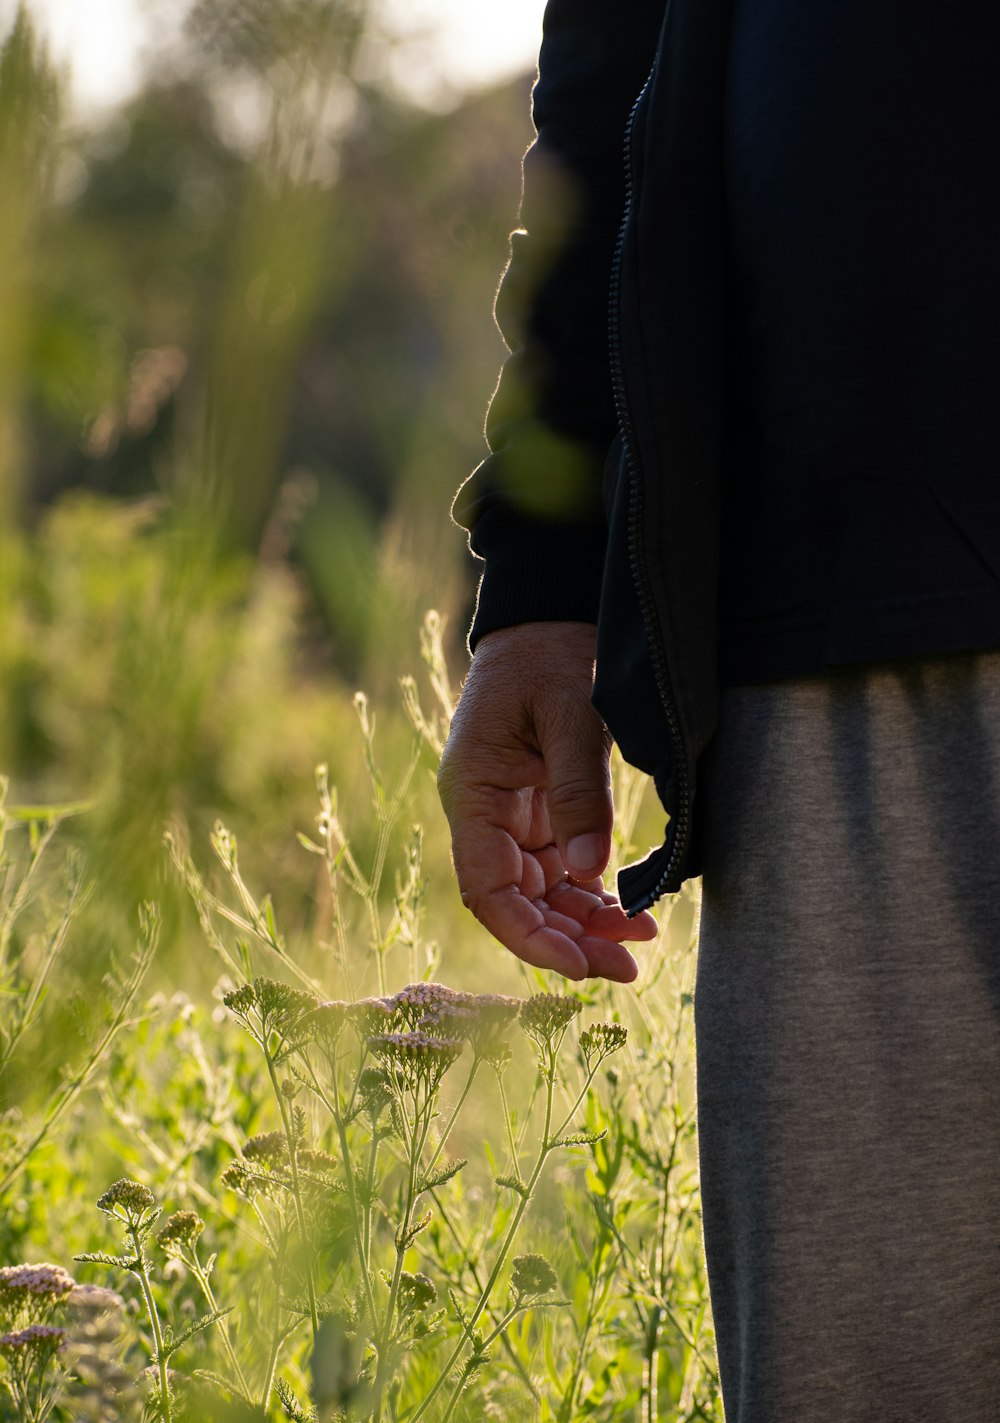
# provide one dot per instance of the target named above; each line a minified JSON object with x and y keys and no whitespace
{"x":533,"y":507}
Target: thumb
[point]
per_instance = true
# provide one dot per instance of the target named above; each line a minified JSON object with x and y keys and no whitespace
{"x":578,"y":789}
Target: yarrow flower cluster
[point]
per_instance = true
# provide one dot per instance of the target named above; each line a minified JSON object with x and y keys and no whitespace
{"x":30,"y":1294}
{"x":417,"y":1000}
{"x":325,"y":1023}
{"x":133,"y":1198}
{"x":546,"y":1015}
{"x":267,"y":1006}
{"x":34,"y":1336}
{"x":532,"y":1275}
{"x":91,"y":1301}
{"x":603,"y":1039}
{"x":180,"y":1229}
{"x":371,"y":1015}
{"x":48,"y":1282}
{"x":416,"y":1057}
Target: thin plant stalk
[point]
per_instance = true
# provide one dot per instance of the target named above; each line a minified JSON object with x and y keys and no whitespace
{"x":296,"y":1189}
{"x":154,"y":1322}
{"x":522,"y":1205}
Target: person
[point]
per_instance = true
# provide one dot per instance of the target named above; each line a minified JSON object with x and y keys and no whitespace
{"x":755,"y":539}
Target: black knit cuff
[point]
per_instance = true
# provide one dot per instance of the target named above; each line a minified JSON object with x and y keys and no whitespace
{"x":541,"y":573}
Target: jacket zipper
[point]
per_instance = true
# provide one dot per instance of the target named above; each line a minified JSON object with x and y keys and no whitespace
{"x":679,"y":827}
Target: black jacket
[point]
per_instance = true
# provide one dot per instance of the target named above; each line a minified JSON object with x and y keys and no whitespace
{"x":600,"y":498}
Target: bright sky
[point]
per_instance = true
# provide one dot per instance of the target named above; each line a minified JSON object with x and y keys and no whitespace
{"x":454,"y":42}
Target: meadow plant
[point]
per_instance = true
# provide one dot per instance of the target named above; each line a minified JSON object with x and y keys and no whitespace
{"x":49,"y":1327}
{"x":445,"y":1204}
{"x":40,"y":901}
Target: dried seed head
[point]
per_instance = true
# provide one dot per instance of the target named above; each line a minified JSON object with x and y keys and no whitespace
{"x":603,"y":1039}
{"x":493,"y":1015}
{"x":498,"y":1056}
{"x":181,"y":1228}
{"x":134,"y":1199}
{"x":532,"y":1275}
{"x":375,"y":1091}
{"x":282,"y":1008}
{"x":546,"y":1014}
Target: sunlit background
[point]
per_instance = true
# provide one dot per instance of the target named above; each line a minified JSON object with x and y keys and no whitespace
{"x":247,"y":279}
{"x":445,"y":46}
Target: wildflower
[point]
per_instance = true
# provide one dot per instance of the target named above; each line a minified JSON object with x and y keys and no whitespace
{"x":448,"y":1022}
{"x":545,"y":1015}
{"x":91,"y":1301}
{"x":415,"y":1292}
{"x":417,"y":1057}
{"x":36,"y":1338}
{"x":180,"y":1229}
{"x":532,"y":1275}
{"x":239,"y":1000}
{"x":282,"y":1009}
{"x":310,"y":1159}
{"x":45,"y":1282}
{"x":269,"y":1148}
{"x":134,"y":1199}
{"x":237,"y":1176}
{"x":326,"y":1023}
{"x":28,"y":1352}
{"x":416,"y":1000}
{"x":603,"y":1039}
{"x":370,"y":1015}
{"x":493,"y":1015}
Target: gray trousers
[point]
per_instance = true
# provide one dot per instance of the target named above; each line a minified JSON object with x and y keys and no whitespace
{"x":847,"y":1017}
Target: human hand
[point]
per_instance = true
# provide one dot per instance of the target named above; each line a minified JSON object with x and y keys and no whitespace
{"x":525,"y":783}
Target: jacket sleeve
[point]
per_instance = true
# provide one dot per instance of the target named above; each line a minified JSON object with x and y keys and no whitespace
{"x":533,"y":508}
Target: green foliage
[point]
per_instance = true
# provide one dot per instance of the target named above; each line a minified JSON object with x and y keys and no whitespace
{"x":342,"y":1189}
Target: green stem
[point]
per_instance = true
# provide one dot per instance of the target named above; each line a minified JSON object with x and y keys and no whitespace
{"x":422,"y":1122}
{"x":508,"y":1240}
{"x":569,"y":1397}
{"x":369,"y":1196}
{"x":154,"y":1320}
{"x":279,"y":1264}
{"x":73,"y":1089}
{"x":361,"y":1234}
{"x":509,"y":1124}
{"x":284,"y":1109}
{"x":206,"y":1288}
{"x":469,"y":1264}
{"x":451,"y":1120}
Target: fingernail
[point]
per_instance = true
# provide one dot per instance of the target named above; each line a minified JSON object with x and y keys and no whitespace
{"x":585,"y":852}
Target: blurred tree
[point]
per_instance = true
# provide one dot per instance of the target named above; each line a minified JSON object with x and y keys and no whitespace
{"x":267,"y":265}
{"x":29,"y":119}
